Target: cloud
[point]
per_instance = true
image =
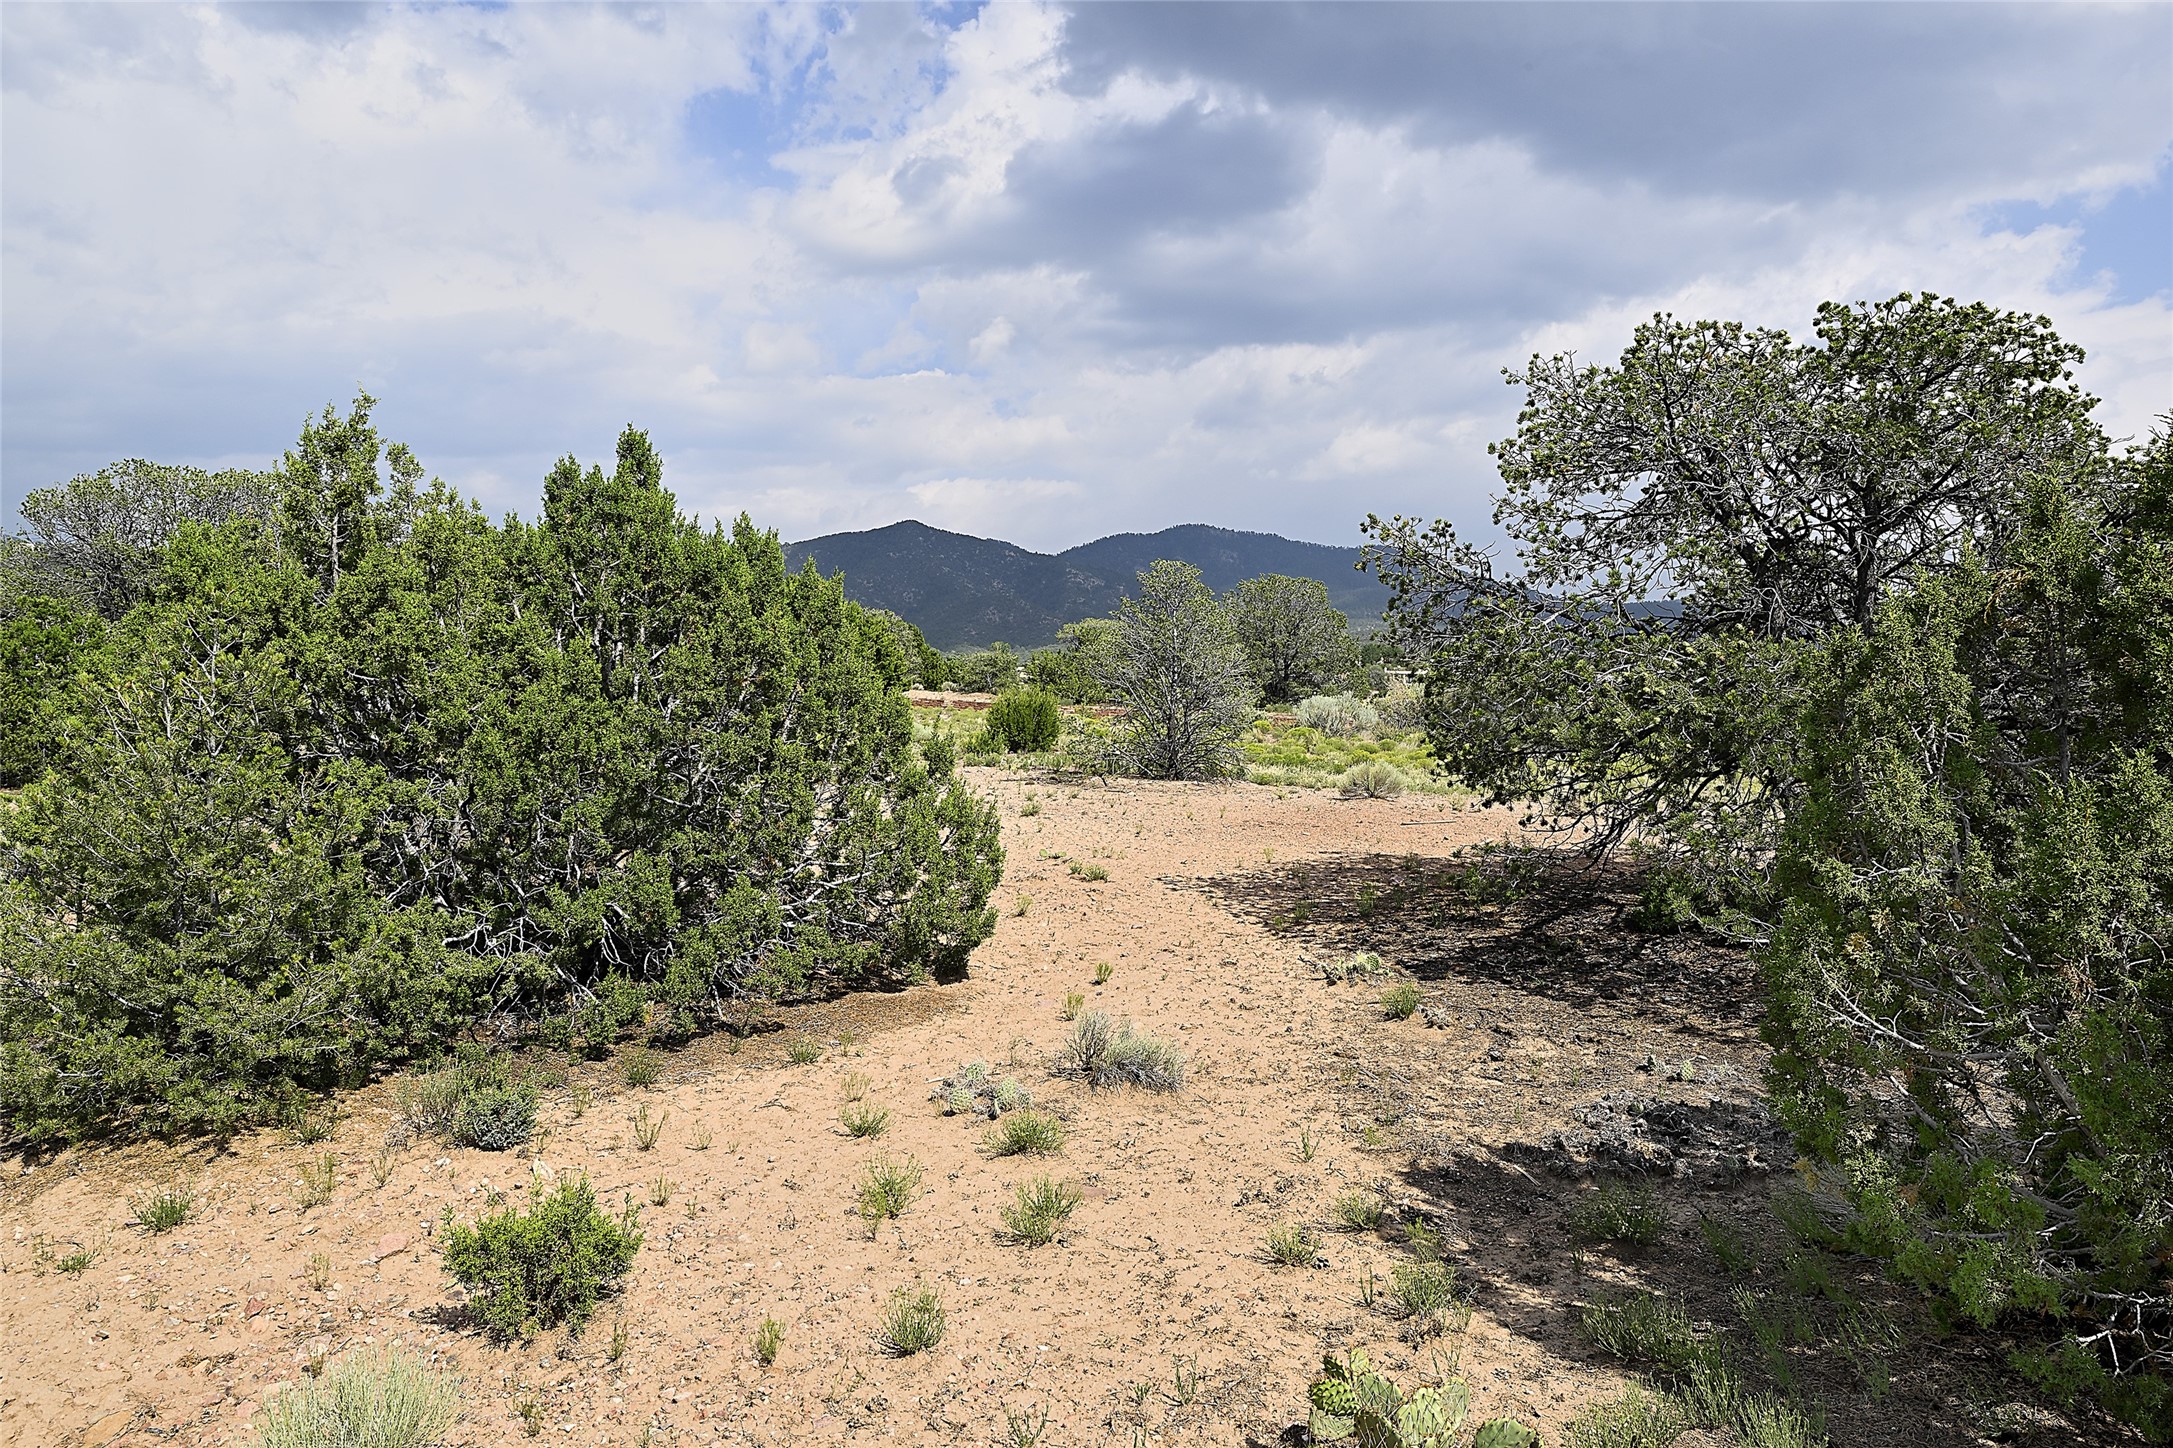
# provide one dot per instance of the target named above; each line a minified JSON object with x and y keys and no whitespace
{"x":1037,"y":273}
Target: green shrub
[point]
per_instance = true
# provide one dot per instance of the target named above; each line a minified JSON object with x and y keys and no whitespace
{"x":641,"y":1067}
{"x":1423,"y":1290}
{"x":1645,"y":1327}
{"x":367,"y":1400}
{"x":912,"y":1323}
{"x":495,"y":1118}
{"x":284,"y":740}
{"x":1032,"y":1133}
{"x":862,"y":1120}
{"x":803,"y":1050}
{"x":1358,"y":1211}
{"x":1399,"y":1002}
{"x":1615,"y":1212}
{"x":1023,"y":721}
{"x":887,"y":1185}
{"x":769,"y":1337}
{"x":1372,"y":780}
{"x":1040,"y":1209}
{"x":548,"y":1265}
{"x":1293,"y":1244}
{"x":1634,"y":1420}
{"x":1337,"y":715}
{"x":164,"y":1209}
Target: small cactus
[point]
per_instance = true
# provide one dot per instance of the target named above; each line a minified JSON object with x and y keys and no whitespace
{"x":1504,"y":1433}
{"x":1350,"y":1400}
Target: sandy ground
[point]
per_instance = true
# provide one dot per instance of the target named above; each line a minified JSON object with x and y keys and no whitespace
{"x":1157,"y":1319}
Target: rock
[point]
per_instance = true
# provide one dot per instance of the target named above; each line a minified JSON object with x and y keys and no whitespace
{"x":392,"y":1244}
{"x":108,"y":1428}
{"x":254,"y":1306}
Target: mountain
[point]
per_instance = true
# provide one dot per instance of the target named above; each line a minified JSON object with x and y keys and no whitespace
{"x":968,"y":592}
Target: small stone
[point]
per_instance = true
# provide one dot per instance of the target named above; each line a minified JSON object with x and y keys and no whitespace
{"x":391,"y":1244}
{"x":254,"y":1306}
{"x":110,"y":1427}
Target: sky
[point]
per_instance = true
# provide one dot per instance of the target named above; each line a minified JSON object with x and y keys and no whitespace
{"x":1038,"y":272}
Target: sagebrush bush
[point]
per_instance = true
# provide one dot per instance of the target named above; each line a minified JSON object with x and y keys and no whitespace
{"x":366,"y":1400}
{"x":1401,"y":708}
{"x":550,"y":1264}
{"x":1338,"y":715}
{"x":1023,"y":721}
{"x":887,"y":1186}
{"x":1372,"y":780}
{"x":495,"y":1118}
{"x":1111,"y":1053}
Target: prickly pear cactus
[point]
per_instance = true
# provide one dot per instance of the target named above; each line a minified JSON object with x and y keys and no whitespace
{"x":1432,"y":1415}
{"x":1377,"y":1396}
{"x":1334,"y":1398}
{"x":1504,"y":1433}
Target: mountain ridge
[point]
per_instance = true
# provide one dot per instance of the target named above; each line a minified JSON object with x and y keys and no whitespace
{"x":965,"y":591}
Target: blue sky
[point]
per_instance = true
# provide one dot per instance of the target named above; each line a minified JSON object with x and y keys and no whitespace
{"x":1034,"y":271}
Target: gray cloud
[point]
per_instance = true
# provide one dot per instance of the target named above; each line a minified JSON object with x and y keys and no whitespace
{"x":1778,"y":101}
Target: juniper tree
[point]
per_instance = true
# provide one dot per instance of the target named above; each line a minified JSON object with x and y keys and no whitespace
{"x":1178,"y":669}
{"x":1294,"y":639}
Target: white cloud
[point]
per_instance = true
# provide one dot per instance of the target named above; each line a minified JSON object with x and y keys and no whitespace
{"x":965,"y":276}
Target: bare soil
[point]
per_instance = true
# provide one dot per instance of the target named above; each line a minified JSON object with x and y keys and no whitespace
{"x":1158,"y":1318}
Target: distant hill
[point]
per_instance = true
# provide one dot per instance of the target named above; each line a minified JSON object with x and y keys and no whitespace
{"x":966,"y":592}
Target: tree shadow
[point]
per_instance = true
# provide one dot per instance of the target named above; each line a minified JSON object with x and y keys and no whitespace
{"x":1545,"y":923}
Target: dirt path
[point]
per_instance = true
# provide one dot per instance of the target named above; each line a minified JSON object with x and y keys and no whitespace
{"x":1158,"y":1319}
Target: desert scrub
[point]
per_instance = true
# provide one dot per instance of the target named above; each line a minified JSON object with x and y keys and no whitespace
{"x":1087,"y":872}
{"x":478,"y":1101}
{"x":1040,"y":1207}
{"x":1634,"y":1420}
{"x":1293,"y":1244}
{"x":1364,"y":965}
{"x":1646,"y":1328}
{"x":863,"y":1120}
{"x":1400,"y":1001}
{"x":1372,"y":780}
{"x":1423,"y":1290}
{"x":972,"y":1091}
{"x":164,"y":1209}
{"x":887,"y":1185}
{"x":1618,"y":1212}
{"x":545,"y":1266}
{"x":1103,"y":970}
{"x":1359,"y":1211}
{"x":647,"y":1129}
{"x":912,"y":1323}
{"x":1027,"y":1133}
{"x":320,"y":1179}
{"x":1111,"y":1053}
{"x":368,"y":1400}
{"x":1074,"y":1002}
{"x":641,"y":1067}
{"x":769,"y":1337}
{"x":803,"y":1050}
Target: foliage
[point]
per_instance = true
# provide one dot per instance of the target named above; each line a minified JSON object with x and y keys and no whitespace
{"x":1637,"y":1419}
{"x":1023,"y":721}
{"x":545,"y":1266}
{"x":1040,"y":1208}
{"x":164,"y":1209}
{"x":1358,"y":1211}
{"x":384,"y":765}
{"x":1615,"y":1212}
{"x":1034,"y":1133}
{"x":887,"y":1185}
{"x":1372,"y":780}
{"x":367,"y":1400}
{"x":1977,"y":904}
{"x":1292,"y":1244}
{"x":769,"y":1337}
{"x":913,"y":1322}
{"x":1111,"y":1053}
{"x":1865,"y":644}
{"x":1071,"y":669}
{"x":45,"y":644}
{"x":1338,"y":716}
{"x":1350,"y":1399}
{"x":1292,"y":754}
{"x":983,"y":671}
{"x":1177,"y":668}
{"x":1293,"y":638}
{"x":864,"y":1121}
{"x":1399,"y":1001}
{"x":924,"y":664}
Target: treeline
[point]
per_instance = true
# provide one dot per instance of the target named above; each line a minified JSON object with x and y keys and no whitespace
{"x":321,"y":768}
{"x":1901,"y":722}
{"x":1296,"y":643}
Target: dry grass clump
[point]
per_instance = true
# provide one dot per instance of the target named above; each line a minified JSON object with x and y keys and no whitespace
{"x":1041,"y":1208}
{"x":1027,"y":1133}
{"x":864,"y":1120}
{"x":370,"y":1400}
{"x":1111,"y":1053}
